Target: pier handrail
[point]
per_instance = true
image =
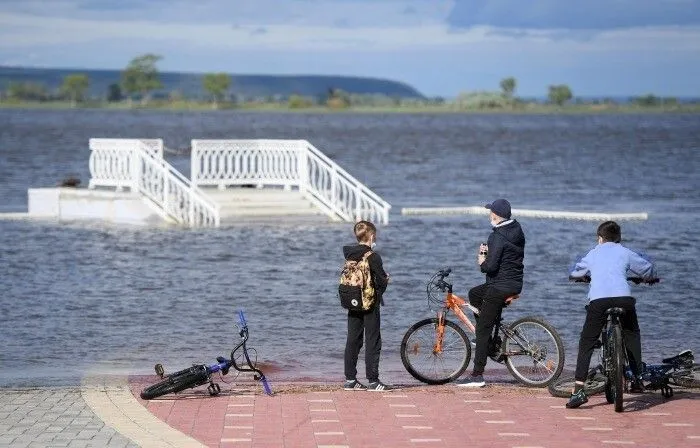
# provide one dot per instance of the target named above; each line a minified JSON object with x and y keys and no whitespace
{"x":133,"y":164}
{"x":287,"y":163}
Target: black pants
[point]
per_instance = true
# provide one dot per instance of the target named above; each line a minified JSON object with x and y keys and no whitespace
{"x":490,"y":302}
{"x":359,"y":325}
{"x":595,"y":320}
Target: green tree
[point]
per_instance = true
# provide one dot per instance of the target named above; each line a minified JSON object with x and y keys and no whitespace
{"x":508,"y":86}
{"x":559,"y":94}
{"x":74,"y":87}
{"x":114,"y":93}
{"x":27,"y":91}
{"x":216,"y":85}
{"x":141,"y":76}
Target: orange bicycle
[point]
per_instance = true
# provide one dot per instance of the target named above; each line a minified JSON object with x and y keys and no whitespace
{"x":437,"y":350}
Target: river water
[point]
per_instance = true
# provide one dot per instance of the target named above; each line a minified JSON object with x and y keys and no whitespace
{"x":80,"y":297}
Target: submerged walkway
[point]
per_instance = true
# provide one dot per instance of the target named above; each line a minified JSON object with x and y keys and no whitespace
{"x":107,"y":412}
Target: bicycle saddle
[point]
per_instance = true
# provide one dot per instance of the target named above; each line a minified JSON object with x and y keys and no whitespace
{"x":615,"y":311}
{"x":684,"y":357}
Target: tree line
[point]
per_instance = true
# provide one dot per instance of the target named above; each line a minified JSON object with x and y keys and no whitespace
{"x":140,"y":78}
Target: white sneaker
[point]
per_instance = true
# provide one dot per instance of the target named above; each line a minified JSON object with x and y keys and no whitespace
{"x":472,"y":381}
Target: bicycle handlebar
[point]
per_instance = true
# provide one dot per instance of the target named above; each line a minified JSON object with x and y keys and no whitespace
{"x":635,"y":280}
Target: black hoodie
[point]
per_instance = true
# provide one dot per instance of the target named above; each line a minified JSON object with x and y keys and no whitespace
{"x":504,"y":261}
{"x":355,"y":252}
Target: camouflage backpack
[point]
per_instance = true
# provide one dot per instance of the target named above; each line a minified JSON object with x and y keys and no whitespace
{"x":355,"y":290}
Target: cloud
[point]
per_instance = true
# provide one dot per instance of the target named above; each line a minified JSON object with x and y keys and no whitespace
{"x":574,"y":14}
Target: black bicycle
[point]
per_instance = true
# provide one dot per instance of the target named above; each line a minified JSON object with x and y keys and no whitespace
{"x":200,"y":374}
{"x":613,"y":373}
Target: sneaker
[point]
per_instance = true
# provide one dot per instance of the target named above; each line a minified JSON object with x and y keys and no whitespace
{"x":577,"y":399}
{"x":472,"y":381}
{"x":354,"y":385}
{"x":636,"y":387}
{"x":378,"y":386}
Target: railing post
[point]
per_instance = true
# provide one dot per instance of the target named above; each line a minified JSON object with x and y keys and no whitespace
{"x":135,"y":171}
{"x":302,"y":166}
{"x":357,"y":204}
{"x":194,"y":163}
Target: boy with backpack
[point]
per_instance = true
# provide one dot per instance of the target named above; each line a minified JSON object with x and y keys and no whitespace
{"x":608,"y":265}
{"x":362,"y":285}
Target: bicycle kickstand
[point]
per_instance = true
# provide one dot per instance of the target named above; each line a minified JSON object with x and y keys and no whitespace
{"x":667,"y":391}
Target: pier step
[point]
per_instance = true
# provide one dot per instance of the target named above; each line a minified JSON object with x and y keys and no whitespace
{"x":248,"y":203}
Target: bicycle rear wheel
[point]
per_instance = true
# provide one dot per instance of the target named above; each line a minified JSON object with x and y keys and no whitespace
{"x":687,"y":378}
{"x":616,"y":374}
{"x":423,"y":363}
{"x":534,"y":351}
{"x":562,"y":386}
{"x":177,"y":382}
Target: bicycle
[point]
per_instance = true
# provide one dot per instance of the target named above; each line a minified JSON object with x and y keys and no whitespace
{"x":530,"y":347}
{"x":677,"y":371}
{"x":614,"y":365}
{"x":200,"y":374}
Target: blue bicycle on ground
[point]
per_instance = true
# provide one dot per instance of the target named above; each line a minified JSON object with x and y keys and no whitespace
{"x":200,"y":374}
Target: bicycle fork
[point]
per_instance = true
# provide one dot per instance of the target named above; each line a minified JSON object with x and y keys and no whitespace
{"x":439,"y":332}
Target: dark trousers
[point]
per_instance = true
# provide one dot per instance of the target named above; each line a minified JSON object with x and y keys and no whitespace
{"x":490,"y":302}
{"x":595,"y":320}
{"x":363,"y":324}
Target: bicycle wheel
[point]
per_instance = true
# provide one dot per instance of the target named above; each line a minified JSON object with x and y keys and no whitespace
{"x":534,"y":351}
{"x":616,"y":374}
{"x":562,"y":386}
{"x":423,"y":363}
{"x":689,"y":378}
{"x":179,"y":381}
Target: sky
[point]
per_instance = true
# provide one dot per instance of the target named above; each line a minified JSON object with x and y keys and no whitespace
{"x":441,"y":47}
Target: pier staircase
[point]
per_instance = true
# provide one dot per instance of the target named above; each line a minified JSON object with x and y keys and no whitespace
{"x":235,"y":181}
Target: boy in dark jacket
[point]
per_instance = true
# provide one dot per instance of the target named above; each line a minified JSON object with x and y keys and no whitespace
{"x":365,"y":323}
{"x":501,"y":259}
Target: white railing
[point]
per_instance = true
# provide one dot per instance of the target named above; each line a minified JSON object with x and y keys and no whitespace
{"x":133,"y":164}
{"x":288,"y":163}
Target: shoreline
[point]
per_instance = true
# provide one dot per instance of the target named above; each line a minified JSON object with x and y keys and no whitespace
{"x":531,"y":109}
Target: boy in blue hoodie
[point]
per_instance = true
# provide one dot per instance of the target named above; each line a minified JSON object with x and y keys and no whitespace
{"x":608,"y":265}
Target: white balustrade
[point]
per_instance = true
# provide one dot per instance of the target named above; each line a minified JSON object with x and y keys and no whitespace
{"x":288,"y":163}
{"x":136,"y":165}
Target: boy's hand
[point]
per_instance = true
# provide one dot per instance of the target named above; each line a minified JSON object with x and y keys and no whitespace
{"x":480,"y":259}
{"x":388,"y":278}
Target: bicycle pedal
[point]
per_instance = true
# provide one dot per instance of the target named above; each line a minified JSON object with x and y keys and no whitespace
{"x":159,"y":370}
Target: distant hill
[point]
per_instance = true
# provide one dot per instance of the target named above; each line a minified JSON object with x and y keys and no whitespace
{"x":190,"y":84}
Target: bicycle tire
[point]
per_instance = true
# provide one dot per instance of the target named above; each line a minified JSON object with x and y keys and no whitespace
{"x":687,"y":378}
{"x":412,"y":347}
{"x":177,"y":382}
{"x":541,"y":347}
{"x":562,"y":386}
{"x":616,"y":375}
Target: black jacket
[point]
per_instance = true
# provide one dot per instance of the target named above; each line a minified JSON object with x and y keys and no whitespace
{"x":504,"y":261}
{"x":355,"y":252}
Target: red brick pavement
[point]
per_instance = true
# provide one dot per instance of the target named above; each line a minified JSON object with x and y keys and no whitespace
{"x":423,"y":416}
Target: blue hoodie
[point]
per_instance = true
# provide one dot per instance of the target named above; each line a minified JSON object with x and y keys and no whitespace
{"x":609,"y":264}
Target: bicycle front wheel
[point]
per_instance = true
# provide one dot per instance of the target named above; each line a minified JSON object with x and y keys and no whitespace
{"x":424,"y":363}
{"x":563,"y":386}
{"x":534,"y":351}
{"x":616,"y":374}
{"x":177,"y":382}
{"x":687,"y":378}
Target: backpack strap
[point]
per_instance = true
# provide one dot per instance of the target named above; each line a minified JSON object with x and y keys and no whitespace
{"x":366,"y":255}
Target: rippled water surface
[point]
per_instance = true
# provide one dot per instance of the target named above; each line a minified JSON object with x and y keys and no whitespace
{"x":78,"y":297}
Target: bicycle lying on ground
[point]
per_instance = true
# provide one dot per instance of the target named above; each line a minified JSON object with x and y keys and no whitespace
{"x":200,"y":374}
{"x":437,"y":350}
{"x":613,"y":374}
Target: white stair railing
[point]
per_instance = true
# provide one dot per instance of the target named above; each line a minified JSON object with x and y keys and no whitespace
{"x":133,"y":164}
{"x":288,"y":163}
